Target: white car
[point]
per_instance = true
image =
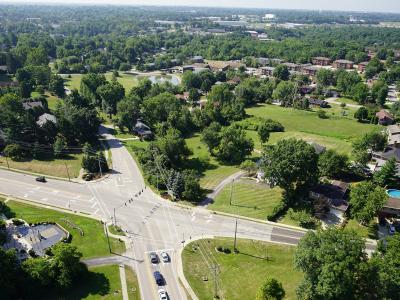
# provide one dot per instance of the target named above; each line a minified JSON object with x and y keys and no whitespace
{"x":163,"y":294}
{"x":165,"y":257}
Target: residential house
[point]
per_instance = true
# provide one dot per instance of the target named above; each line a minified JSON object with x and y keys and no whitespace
{"x":142,"y":130}
{"x":45,"y":118}
{"x":267,"y":71}
{"x":292,"y":67}
{"x":310,"y":71}
{"x":183,"y":97}
{"x":197,"y":59}
{"x":321,"y":61}
{"x":319,"y":149}
{"x":391,"y":209}
{"x":335,"y":194}
{"x":393,"y":132}
{"x":218,"y":66}
{"x":318,"y":103}
{"x":263,"y":61}
{"x":234,"y":81}
{"x":343,"y":64}
{"x":380,"y":158}
{"x":9,"y":84}
{"x":362,"y":66}
{"x":304,"y":90}
{"x":183,"y":69}
{"x":32,"y":104}
{"x":384,"y":117}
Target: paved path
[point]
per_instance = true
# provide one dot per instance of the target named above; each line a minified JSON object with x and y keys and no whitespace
{"x":107,"y":260}
{"x":211,"y":196}
{"x":334,"y":100}
{"x":124,"y":287}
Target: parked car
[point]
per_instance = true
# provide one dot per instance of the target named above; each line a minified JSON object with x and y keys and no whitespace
{"x":41,"y":179}
{"x":165,"y":257}
{"x":392,"y":229}
{"x":154,"y":258}
{"x":159,"y":278}
{"x":163,"y":294}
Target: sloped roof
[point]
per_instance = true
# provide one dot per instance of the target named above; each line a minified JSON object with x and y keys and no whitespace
{"x":32,"y":104}
{"x":43,"y":119}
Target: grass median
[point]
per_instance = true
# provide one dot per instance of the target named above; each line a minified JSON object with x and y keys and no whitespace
{"x":93,"y":242}
{"x":239,"y":275}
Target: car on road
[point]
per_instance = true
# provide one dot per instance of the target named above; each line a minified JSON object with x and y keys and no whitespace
{"x":159,"y":278}
{"x":154,"y":258}
{"x":163,"y":294}
{"x":165,"y":257}
{"x":41,"y":179}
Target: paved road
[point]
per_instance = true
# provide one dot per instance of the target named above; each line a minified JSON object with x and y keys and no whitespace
{"x":334,"y":100}
{"x":152,"y":224}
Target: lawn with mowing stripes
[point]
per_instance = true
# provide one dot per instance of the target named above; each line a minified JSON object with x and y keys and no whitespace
{"x":92,"y":244}
{"x":336,"y":132}
{"x":132,"y":284}
{"x":240,"y":275}
{"x":249,"y":198}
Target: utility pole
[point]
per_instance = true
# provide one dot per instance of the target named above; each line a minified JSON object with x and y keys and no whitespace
{"x":214,"y":269}
{"x":115,"y":218}
{"x":230,"y":197}
{"x":101,"y":174}
{"x":108,"y":238}
{"x":66,"y":167}
{"x":235,"y":240}
{"x":8,"y":166}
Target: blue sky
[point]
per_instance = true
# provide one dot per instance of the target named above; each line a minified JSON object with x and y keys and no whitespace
{"x":352,"y":5}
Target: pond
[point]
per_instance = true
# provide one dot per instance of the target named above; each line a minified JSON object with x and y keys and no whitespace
{"x":394,"y":193}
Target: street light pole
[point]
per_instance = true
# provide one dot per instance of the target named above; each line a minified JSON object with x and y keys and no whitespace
{"x":115,"y":218}
{"x":66,"y":167}
{"x":235,"y":240}
{"x":8,"y":166}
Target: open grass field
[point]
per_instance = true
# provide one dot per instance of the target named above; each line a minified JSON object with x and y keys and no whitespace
{"x":347,"y":101}
{"x":132,"y":283}
{"x":240,"y":275}
{"x":336,"y":132}
{"x":213,"y":172}
{"x":128,"y":81}
{"x":369,"y":231}
{"x":92,"y":244}
{"x":48,"y":165}
{"x":249,"y":198}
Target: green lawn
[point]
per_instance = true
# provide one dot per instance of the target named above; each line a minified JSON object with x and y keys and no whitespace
{"x":92,"y":244}
{"x":347,"y":101}
{"x":48,"y":165}
{"x":240,"y":275}
{"x":116,"y":230}
{"x":249,"y":198}
{"x":128,"y":81}
{"x":213,"y":172}
{"x":132,"y":283}
{"x":364,"y":231}
{"x":119,"y":134}
{"x":336,"y":132}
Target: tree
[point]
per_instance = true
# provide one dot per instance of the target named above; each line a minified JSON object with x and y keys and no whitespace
{"x":211,"y":136}
{"x":9,"y":275}
{"x":194,"y":96}
{"x":14,"y":151}
{"x":249,"y":166}
{"x":395,"y":109}
{"x":192,"y":190}
{"x":281,"y":72}
{"x":346,"y":81}
{"x":387,"y":258}
{"x":360,"y":93}
{"x":325,"y":77}
{"x":332,"y":261}
{"x":387,"y":175}
{"x":37,"y":57}
{"x":191,"y":80}
{"x":65,"y":265}
{"x":271,"y":289}
{"x":263,"y":132}
{"x":111,"y":93}
{"x":285,"y":92}
{"x":332,"y":164}
{"x":173,"y":146}
{"x":38,"y":271}
{"x":234,"y":145}
{"x":59,"y":146}
{"x":56,"y":85}
{"x":366,"y":199}
{"x":128,"y":111}
{"x":379,"y":92}
{"x":373,"y":68}
{"x":292,"y":165}
{"x":361,"y":114}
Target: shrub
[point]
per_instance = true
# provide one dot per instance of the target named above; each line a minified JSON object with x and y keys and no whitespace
{"x":278,"y":211}
{"x":274,"y":126}
{"x":17,"y":222}
{"x":14,"y":151}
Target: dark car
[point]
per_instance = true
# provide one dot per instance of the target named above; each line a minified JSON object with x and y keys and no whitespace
{"x":41,"y":179}
{"x":154,"y":258}
{"x":159,"y":278}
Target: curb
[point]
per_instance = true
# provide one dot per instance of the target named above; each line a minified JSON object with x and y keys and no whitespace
{"x":73,"y":180}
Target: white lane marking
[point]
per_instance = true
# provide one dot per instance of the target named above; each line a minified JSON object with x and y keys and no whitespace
{"x":55,"y":192}
{"x":96,"y":211}
{"x":160,"y":250}
{"x":208,"y":221}
{"x":193,"y":213}
{"x":72,"y":200}
{"x":78,"y":197}
{"x":25,"y":195}
{"x":93,"y":205}
{"x":91,"y":199}
{"x":45,"y":199}
{"x":193,"y":218}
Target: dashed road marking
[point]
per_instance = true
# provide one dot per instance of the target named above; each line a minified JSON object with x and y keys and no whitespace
{"x":96,"y":211}
{"x":94,"y":204}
